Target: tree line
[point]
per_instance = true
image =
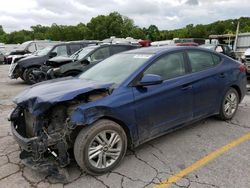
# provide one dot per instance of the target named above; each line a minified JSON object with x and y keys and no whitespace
{"x":115,"y":24}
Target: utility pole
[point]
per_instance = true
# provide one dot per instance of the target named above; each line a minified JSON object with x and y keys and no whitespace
{"x":236,"y":37}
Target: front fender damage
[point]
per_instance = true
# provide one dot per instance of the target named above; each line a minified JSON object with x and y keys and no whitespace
{"x":86,"y":117}
{"x":46,"y":139}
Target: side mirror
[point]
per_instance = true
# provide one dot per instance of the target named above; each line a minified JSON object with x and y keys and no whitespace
{"x":85,"y":62}
{"x":89,"y":59}
{"x":52,"y":54}
{"x":150,"y":79}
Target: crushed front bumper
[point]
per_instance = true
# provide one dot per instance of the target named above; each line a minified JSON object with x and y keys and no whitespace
{"x":37,"y":152}
{"x":14,"y":71}
{"x":25,"y":143}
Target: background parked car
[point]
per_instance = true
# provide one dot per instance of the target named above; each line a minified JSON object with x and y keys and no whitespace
{"x":246,"y":61}
{"x":1,"y":57}
{"x":24,"y":67}
{"x":85,"y":58}
{"x":27,"y":47}
{"x":187,"y":44}
{"x":220,"y":48}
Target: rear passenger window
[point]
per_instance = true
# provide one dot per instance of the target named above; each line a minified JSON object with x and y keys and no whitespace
{"x":200,"y":60}
{"x":216,"y":59}
{"x":169,"y":66}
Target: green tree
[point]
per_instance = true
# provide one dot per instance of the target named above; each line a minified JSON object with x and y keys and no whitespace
{"x":114,"y":24}
{"x":153,"y":33}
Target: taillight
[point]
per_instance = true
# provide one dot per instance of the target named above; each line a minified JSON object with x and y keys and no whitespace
{"x":242,"y":68}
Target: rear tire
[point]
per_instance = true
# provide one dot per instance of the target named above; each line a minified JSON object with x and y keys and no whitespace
{"x":229,"y":104}
{"x":100,"y":147}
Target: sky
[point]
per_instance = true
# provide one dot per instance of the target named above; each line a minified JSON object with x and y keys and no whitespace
{"x":165,"y":14}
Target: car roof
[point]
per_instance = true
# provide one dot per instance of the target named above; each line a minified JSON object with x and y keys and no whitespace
{"x":109,"y":44}
{"x":117,"y":44}
{"x":78,"y":42}
{"x":160,"y":49}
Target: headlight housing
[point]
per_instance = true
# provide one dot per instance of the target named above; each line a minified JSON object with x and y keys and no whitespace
{"x":56,"y":69}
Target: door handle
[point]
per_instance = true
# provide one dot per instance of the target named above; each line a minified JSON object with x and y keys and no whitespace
{"x":222,"y":75}
{"x":186,"y":87}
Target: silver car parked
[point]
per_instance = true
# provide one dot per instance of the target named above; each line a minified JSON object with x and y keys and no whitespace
{"x":1,"y":57}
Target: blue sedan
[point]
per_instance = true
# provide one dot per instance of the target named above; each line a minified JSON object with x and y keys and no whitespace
{"x":122,"y":102}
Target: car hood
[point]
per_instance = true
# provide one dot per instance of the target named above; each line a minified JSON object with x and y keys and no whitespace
{"x":32,"y":59}
{"x":17,"y":52}
{"x":40,"y":97}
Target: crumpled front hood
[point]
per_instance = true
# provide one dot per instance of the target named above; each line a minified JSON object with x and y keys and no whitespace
{"x":31,"y":59}
{"x":17,"y":52}
{"x":39,"y":98}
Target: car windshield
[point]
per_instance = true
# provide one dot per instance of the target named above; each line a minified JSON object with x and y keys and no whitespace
{"x":210,"y":47}
{"x":80,"y":54}
{"x":23,"y":45}
{"x":115,"y":69}
{"x":44,"y":51}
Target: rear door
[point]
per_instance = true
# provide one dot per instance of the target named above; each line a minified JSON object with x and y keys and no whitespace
{"x":164,"y":106}
{"x":208,"y":80}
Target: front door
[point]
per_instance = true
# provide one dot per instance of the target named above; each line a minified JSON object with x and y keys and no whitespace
{"x":166,"y":105}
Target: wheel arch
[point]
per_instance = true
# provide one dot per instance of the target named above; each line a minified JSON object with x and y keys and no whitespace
{"x":119,"y":122}
{"x":237,"y":88}
{"x":25,"y":69}
{"x":29,"y":67}
{"x":123,"y":125}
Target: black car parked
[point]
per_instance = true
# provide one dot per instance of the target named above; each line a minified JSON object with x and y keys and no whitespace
{"x":220,"y":48}
{"x":79,"y":61}
{"x":24,"y":67}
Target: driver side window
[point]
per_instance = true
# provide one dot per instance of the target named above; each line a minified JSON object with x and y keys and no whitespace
{"x":32,"y":48}
{"x":100,"y":54}
{"x":169,"y":66}
{"x":61,"y":51}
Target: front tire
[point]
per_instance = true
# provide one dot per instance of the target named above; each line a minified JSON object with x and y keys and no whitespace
{"x":229,"y":104}
{"x":100,"y":147}
{"x":29,"y":77}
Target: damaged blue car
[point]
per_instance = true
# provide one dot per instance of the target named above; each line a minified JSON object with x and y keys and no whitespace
{"x":122,"y":102}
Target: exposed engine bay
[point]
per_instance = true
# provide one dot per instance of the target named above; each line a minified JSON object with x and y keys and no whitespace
{"x":46,"y":139}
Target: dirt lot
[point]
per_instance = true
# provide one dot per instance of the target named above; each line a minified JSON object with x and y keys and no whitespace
{"x":149,"y":164}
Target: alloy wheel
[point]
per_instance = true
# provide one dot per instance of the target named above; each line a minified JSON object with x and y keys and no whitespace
{"x":230,"y":104}
{"x":105,"y":149}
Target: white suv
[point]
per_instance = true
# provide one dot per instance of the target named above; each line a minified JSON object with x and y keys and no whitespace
{"x":246,"y":58}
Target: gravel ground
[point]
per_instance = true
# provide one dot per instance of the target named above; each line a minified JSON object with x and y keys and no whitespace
{"x":148,"y":164}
